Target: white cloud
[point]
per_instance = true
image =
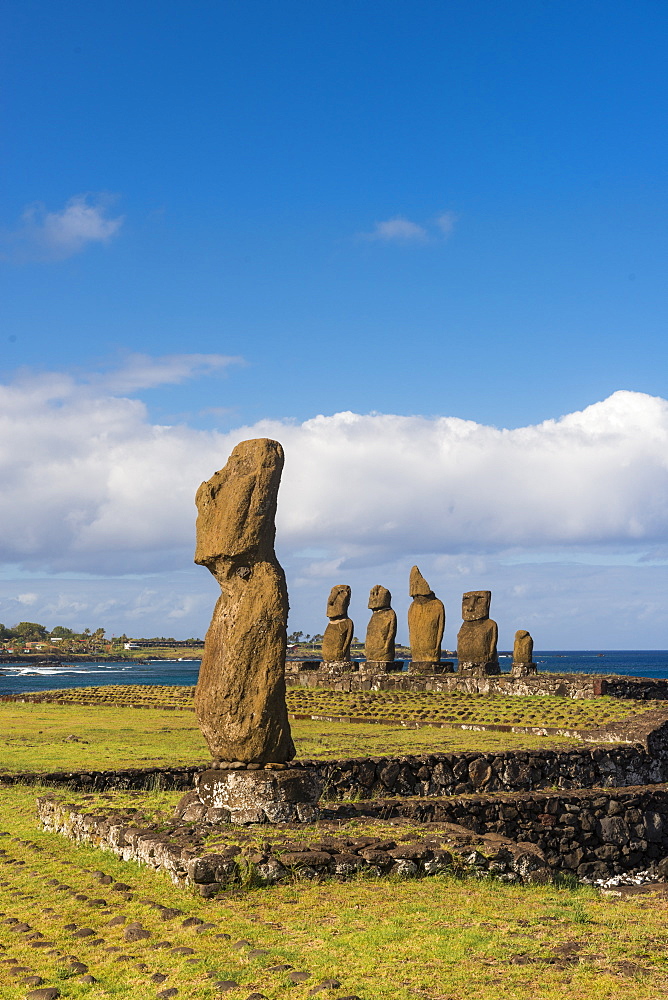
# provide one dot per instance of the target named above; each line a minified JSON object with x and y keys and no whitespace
{"x":90,"y":484}
{"x":397,"y":230}
{"x":446,"y":222}
{"x":48,"y":236}
{"x":27,"y":598}
{"x":141,"y":371}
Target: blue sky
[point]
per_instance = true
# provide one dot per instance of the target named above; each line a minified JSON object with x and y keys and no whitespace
{"x":447,"y":210}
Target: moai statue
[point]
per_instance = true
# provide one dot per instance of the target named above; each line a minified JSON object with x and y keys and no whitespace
{"x":339,"y":632}
{"x":240,"y":694}
{"x":523,"y":664}
{"x":476,"y":641}
{"x":426,"y":624}
{"x":381,"y":632}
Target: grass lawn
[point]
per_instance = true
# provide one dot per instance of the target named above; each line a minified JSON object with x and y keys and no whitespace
{"x":36,"y":737}
{"x":440,"y":938}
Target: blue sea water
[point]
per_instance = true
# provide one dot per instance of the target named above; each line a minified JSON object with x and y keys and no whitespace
{"x":23,"y":678}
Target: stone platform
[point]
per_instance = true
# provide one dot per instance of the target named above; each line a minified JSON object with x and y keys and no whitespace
{"x":273,"y":794}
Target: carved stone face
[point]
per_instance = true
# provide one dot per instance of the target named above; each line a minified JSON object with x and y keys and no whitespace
{"x":379,"y":598}
{"x":338,"y":601}
{"x":418,"y":586}
{"x":475,"y":605}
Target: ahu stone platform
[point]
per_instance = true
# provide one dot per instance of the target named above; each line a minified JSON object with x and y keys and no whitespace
{"x":564,"y":685}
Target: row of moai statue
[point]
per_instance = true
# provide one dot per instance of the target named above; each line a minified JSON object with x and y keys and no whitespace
{"x":476,"y":642}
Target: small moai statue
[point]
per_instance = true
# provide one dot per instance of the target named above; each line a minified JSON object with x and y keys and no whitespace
{"x":426,"y":624}
{"x":523,"y":664}
{"x":477,"y":638}
{"x":381,"y":632}
{"x":339,"y":633}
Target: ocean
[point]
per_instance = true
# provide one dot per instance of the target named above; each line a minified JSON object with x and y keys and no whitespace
{"x":19,"y":678}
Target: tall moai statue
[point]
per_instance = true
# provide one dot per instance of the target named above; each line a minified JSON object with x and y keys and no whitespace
{"x":426,"y":624}
{"x":339,"y":632}
{"x":523,"y":664}
{"x":477,"y":638}
{"x":381,"y":630}
{"x":240,"y":694}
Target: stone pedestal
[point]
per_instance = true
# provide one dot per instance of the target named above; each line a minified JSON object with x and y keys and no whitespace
{"x":260,"y":796}
{"x":339,"y":666}
{"x":468,"y":668}
{"x":523,"y":669}
{"x":430,"y":667}
{"x":383,"y":666}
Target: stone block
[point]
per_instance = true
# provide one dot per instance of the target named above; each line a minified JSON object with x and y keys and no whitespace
{"x":424,"y":667}
{"x":261,"y":796}
{"x":382,"y":666}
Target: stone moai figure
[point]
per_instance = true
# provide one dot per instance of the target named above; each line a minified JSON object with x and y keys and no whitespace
{"x":477,"y":638}
{"x":240,"y":694}
{"x":426,"y":624}
{"x":339,"y":633}
{"x":381,"y":630}
{"x":523,"y":664}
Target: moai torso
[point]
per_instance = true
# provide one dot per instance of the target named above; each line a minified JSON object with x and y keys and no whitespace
{"x":382,"y":628}
{"x":478,"y":635}
{"x":426,"y":621}
{"x":339,"y":633}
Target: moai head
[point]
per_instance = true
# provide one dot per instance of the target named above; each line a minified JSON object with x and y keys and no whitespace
{"x":338,"y":601}
{"x":475,"y":605}
{"x":379,"y":598}
{"x":418,"y":586}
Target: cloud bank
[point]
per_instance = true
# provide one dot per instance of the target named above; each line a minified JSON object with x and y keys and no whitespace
{"x":51,"y":236}
{"x":555,"y":518}
{"x":91,"y":485}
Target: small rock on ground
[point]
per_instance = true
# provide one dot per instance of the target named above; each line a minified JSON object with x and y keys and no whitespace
{"x":299,"y":977}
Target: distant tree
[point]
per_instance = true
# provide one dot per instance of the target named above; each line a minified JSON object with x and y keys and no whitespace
{"x":97,"y":639}
{"x":295,"y":636}
{"x":6,"y":633}
{"x":62,"y":632}
{"x":30,"y":631}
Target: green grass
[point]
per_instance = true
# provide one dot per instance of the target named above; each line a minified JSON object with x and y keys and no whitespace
{"x":440,"y":938}
{"x":34,"y":738}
